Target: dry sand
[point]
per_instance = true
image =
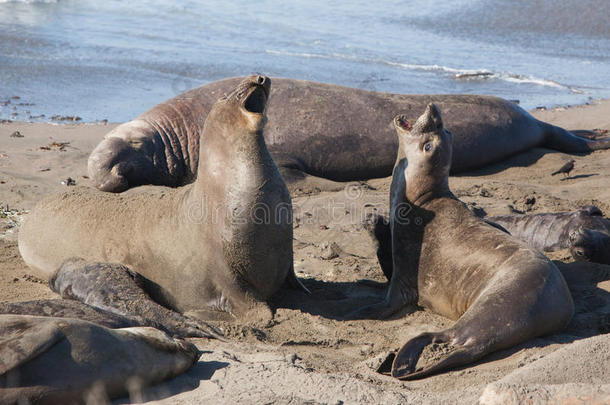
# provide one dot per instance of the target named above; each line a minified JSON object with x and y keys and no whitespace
{"x":306,"y":355}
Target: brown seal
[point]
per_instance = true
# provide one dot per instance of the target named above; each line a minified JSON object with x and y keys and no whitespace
{"x":500,"y":291}
{"x":319,"y":134}
{"x":47,"y":360}
{"x":223,"y":243}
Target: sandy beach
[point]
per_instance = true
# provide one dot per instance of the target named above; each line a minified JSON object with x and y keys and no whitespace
{"x":306,"y":355}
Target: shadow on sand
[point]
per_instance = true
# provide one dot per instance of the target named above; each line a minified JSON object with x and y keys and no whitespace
{"x":591,"y":317}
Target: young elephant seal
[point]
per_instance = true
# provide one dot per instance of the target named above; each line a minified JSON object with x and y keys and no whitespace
{"x":223,"y":243}
{"x":585,"y":232}
{"x":46,"y":360}
{"x":500,"y":291}
{"x":590,"y":245}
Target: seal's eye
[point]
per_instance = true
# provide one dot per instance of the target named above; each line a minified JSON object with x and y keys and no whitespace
{"x":580,"y":253}
{"x":428,"y":147}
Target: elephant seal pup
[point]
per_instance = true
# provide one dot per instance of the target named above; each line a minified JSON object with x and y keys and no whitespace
{"x":60,"y":308}
{"x":590,"y":245}
{"x":110,"y":295}
{"x":500,"y":291}
{"x":319,"y":134}
{"x":223,"y":243}
{"x":46,"y":360}
{"x":585,"y":232}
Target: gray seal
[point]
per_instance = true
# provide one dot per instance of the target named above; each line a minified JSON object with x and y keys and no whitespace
{"x":110,"y":295}
{"x":585,"y":232}
{"x":47,"y":360}
{"x":319,"y":134}
{"x":500,"y":291}
{"x":222,"y":244}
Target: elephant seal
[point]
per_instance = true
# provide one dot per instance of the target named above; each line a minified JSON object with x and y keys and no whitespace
{"x":61,"y":308}
{"x":220,"y":244}
{"x":590,"y":245}
{"x":585,"y":232}
{"x":110,"y":295}
{"x":500,"y":291}
{"x":319,"y":134}
{"x":46,"y":360}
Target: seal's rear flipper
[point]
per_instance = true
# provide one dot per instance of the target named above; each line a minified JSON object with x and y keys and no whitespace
{"x":111,"y":287}
{"x":412,"y":363}
{"x":585,"y":133}
{"x":569,"y":142}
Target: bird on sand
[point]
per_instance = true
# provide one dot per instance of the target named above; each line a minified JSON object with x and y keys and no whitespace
{"x":566,"y":168}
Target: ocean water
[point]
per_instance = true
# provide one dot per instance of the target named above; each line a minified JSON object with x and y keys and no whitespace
{"x":114,"y":59}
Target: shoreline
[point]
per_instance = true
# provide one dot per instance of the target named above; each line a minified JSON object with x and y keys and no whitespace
{"x":70,"y":119}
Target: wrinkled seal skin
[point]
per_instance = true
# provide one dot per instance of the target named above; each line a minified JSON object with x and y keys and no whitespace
{"x":317,"y":131}
{"x":223,"y":243}
{"x":46,"y":360}
{"x":585,"y":232}
{"x":500,"y":291}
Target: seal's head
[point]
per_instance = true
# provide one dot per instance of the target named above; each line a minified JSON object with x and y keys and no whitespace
{"x":243,"y":109}
{"x":428,"y":148}
{"x":119,"y":163}
{"x":589,"y":245}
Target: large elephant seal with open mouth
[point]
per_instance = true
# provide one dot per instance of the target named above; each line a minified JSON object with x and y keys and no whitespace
{"x":223,"y":243}
{"x":45,"y":360}
{"x":319,"y":133}
{"x":500,"y":291}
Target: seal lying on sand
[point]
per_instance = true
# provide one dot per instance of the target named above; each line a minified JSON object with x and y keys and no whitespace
{"x":110,"y":295}
{"x":67,"y":361}
{"x":500,"y":291}
{"x":223,"y":243}
{"x":317,"y":133}
{"x":590,"y":245}
{"x":585,"y":232}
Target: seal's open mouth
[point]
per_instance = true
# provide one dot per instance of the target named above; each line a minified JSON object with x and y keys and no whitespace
{"x":256,"y":100}
{"x":401,"y":121}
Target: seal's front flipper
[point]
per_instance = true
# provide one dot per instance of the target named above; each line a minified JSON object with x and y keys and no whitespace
{"x":585,"y":133}
{"x":381,"y":310}
{"x":293,"y":282}
{"x":299,"y":182}
{"x":114,"y":288}
{"x":398,"y":296}
{"x":378,"y":227}
{"x":430,"y":353}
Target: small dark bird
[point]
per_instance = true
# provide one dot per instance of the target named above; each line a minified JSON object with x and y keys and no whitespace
{"x":566,"y":168}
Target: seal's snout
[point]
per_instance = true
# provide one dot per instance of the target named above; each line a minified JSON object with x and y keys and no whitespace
{"x":264,"y":82}
{"x":429,"y":121}
{"x":433,"y":117}
{"x":256,"y":100}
